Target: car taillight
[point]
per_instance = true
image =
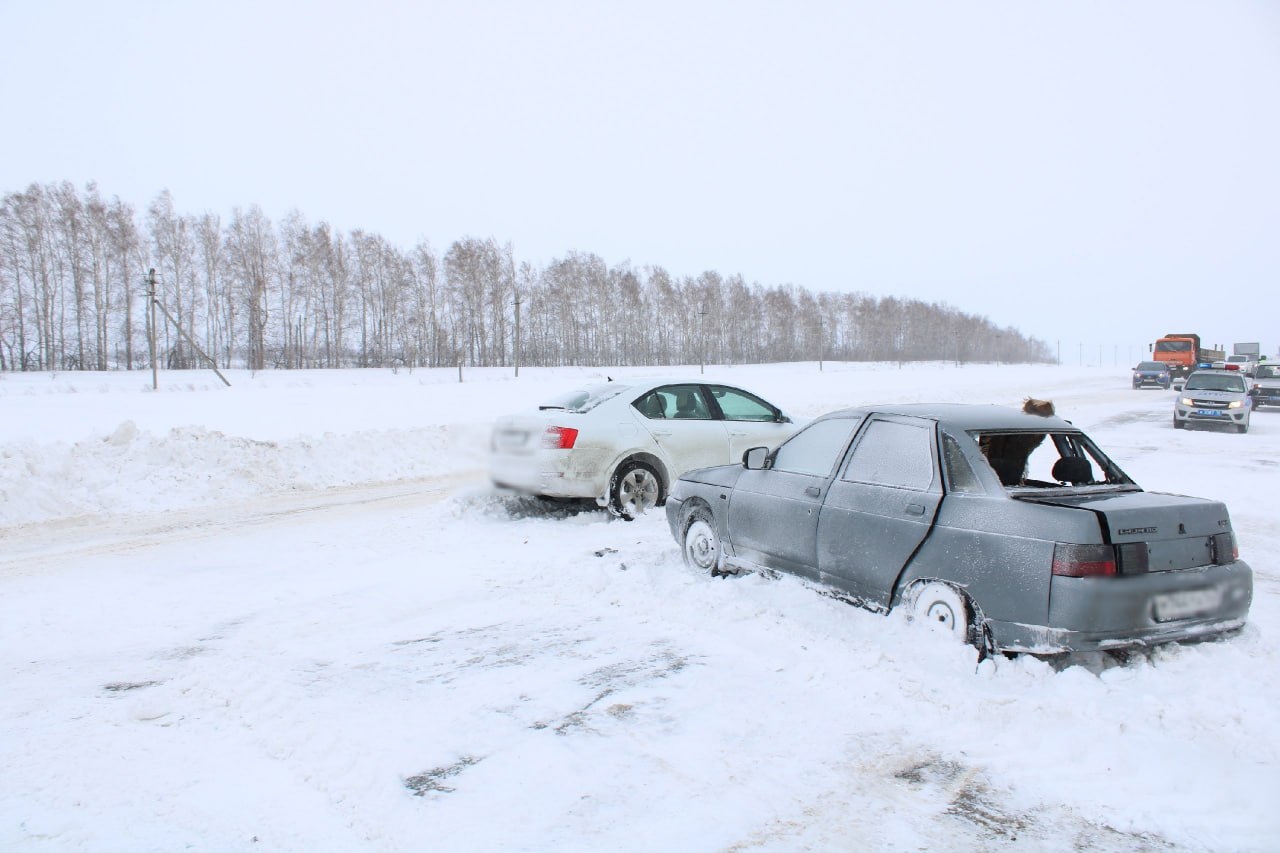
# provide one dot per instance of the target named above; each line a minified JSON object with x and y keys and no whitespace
{"x":559,"y":438}
{"x":1083,"y":561}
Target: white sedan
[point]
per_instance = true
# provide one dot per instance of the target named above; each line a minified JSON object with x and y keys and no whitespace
{"x":624,"y":443}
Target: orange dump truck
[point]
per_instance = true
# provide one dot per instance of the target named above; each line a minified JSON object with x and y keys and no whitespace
{"x":1181,"y":352}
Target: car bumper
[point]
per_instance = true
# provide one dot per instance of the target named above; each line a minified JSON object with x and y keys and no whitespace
{"x":1223,"y":417}
{"x":675,"y":508}
{"x":549,"y":474}
{"x":1267,"y":397}
{"x":1153,"y":383}
{"x":1099,"y":614}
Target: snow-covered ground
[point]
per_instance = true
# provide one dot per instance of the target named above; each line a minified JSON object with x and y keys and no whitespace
{"x":290,"y":615}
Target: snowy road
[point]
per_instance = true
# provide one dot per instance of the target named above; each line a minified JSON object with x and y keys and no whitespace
{"x":422,"y":663}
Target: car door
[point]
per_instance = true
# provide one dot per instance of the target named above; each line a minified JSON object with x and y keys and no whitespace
{"x":749,"y":420}
{"x":879,"y":508}
{"x":683,"y":425}
{"x":773,"y":512}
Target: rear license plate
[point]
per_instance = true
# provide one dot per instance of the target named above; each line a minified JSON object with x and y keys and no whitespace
{"x":1212,"y":413}
{"x":1182,"y":605}
{"x":512,"y":439}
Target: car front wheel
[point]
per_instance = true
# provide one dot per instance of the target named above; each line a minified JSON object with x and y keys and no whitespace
{"x":701,"y":542}
{"x":635,"y":489}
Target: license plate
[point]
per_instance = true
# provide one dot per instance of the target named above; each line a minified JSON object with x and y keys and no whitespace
{"x":512,"y":439}
{"x":1182,"y":605}
{"x":1212,"y":413}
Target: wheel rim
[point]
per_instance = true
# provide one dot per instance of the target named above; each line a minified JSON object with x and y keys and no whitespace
{"x":637,"y":491}
{"x":940,"y":613}
{"x":701,"y":545}
{"x":942,"y":609}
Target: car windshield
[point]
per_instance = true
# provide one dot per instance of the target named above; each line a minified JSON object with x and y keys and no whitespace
{"x":1149,"y":365}
{"x":1173,"y":346}
{"x":585,"y":399}
{"x":1214,"y":382}
{"x":1269,"y":371}
{"x":1049,"y":460}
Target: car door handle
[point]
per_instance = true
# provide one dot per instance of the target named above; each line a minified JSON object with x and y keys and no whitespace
{"x":915,"y":509}
{"x":661,"y":432}
{"x":813,"y":492}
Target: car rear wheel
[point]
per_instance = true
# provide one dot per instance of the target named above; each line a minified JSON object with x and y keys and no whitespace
{"x":701,"y":542}
{"x":635,"y":489}
{"x":941,"y":608}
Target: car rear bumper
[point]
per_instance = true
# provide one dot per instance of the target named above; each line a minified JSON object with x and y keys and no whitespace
{"x":1102,"y":613}
{"x":541,"y":474}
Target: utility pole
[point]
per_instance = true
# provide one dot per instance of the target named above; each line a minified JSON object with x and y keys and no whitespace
{"x":822,"y":338}
{"x":151,"y":326}
{"x":702,"y":338}
{"x":155,"y":303}
{"x":517,"y":353}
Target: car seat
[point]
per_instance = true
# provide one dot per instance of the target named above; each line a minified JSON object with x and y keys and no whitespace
{"x":651,"y":406}
{"x":1073,"y":469}
{"x":687,"y":405}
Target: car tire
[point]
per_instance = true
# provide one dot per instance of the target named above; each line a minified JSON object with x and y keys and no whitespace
{"x":634,"y":489}
{"x":1242,"y":428}
{"x":701,"y":545}
{"x":942,"y":608}
{"x":1177,"y":424}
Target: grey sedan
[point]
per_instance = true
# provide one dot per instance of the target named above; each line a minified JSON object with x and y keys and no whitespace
{"x":1011,"y":531}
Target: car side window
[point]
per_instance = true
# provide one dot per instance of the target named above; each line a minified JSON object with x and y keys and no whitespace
{"x":815,"y":449}
{"x":960,"y":476}
{"x":651,"y":405}
{"x":741,"y":406}
{"x":890,"y":453}
{"x":682,"y":402}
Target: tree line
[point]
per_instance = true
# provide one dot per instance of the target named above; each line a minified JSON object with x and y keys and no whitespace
{"x":295,"y":294}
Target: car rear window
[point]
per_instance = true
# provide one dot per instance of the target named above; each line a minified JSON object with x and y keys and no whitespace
{"x":585,"y":399}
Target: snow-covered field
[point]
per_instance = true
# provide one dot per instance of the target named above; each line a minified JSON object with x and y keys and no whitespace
{"x":291,"y":615}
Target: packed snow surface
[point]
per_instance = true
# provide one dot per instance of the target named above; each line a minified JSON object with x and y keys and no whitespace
{"x":292,"y":615}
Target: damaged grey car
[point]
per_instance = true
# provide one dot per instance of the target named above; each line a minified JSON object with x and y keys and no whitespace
{"x":1010,"y":530}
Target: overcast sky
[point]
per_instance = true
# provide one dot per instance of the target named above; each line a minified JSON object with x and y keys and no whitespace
{"x":1094,"y":174}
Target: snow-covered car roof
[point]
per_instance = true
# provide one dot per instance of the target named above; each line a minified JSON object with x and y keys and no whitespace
{"x":964,"y":416}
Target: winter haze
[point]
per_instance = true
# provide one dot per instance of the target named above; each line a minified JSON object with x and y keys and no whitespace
{"x":1092,"y":174}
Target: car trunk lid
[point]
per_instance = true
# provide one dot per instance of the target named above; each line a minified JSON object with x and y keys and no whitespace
{"x":1176,"y":532}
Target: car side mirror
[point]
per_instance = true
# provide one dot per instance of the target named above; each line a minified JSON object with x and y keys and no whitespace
{"x":1177,"y":386}
{"x":755,"y":458}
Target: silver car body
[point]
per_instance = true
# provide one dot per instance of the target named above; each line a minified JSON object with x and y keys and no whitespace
{"x":620,"y":422}
{"x":1265,"y":389}
{"x":871,"y":502}
{"x":1214,"y":398}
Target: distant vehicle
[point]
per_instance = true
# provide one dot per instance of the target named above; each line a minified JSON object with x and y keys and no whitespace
{"x":1011,"y":531}
{"x":624,"y":443}
{"x":1151,"y":373}
{"x":1243,"y":363}
{"x":1266,"y":385}
{"x":1214,"y":398}
{"x":1182,"y":352}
